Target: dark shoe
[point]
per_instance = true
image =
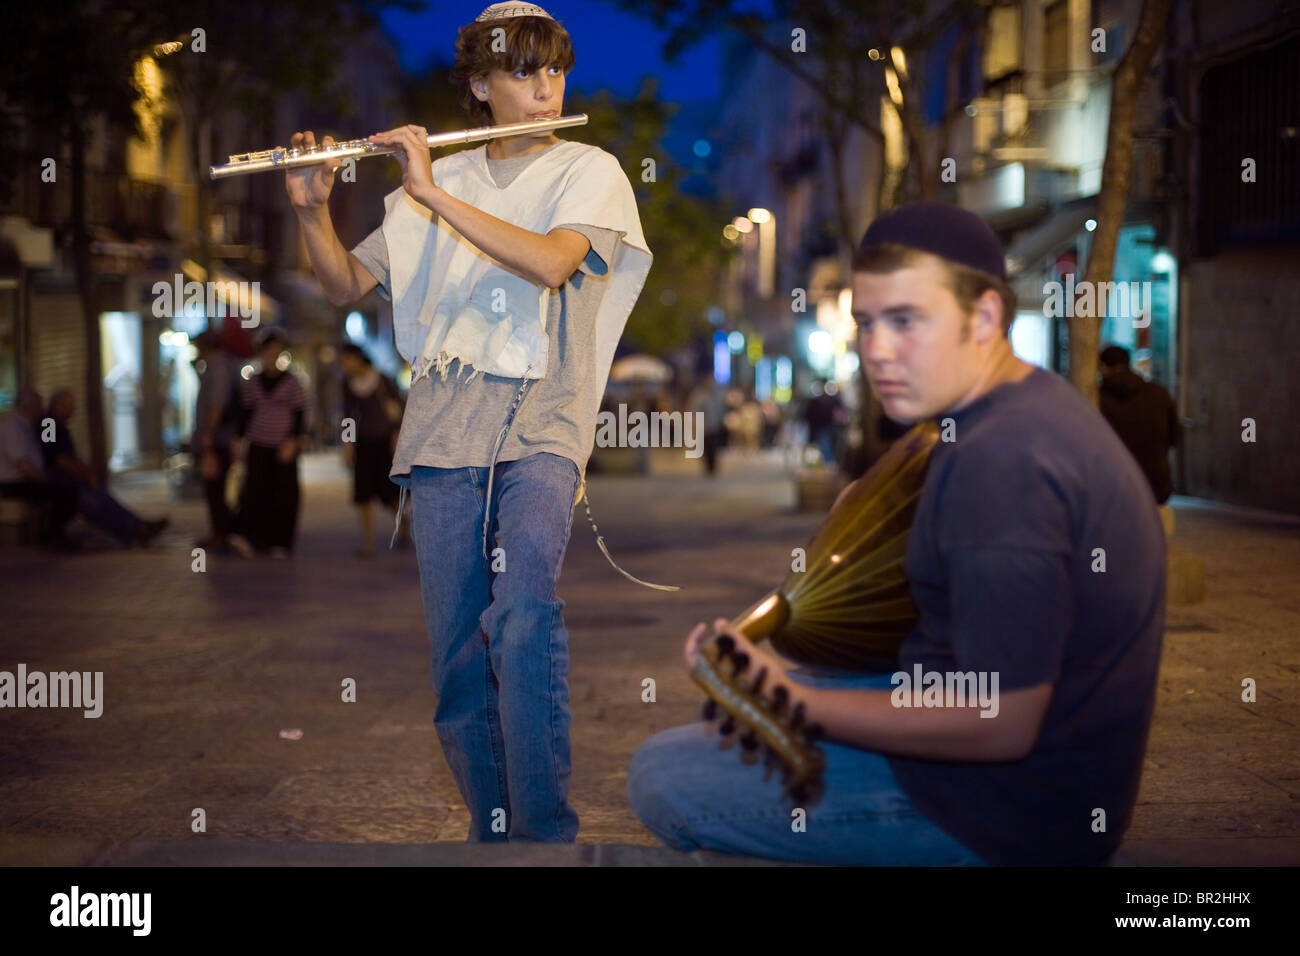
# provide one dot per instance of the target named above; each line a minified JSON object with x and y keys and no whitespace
{"x":65,"y":544}
{"x":151,"y":529}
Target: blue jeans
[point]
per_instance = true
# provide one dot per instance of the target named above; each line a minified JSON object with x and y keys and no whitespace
{"x":500,"y":648}
{"x":694,"y":796}
{"x":101,"y":510}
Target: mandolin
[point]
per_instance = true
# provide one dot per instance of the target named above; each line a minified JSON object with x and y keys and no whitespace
{"x":850,"y":609}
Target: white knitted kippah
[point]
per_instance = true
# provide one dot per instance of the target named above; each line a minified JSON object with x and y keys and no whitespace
{"x":512,"y":8}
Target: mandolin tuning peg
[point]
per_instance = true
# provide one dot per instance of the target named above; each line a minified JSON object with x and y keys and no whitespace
{"x":710,"y":709}
{"x":727,"y":726}
{"x":797,"y":717}
{"x":799,"y":793}
{"x":759,"y":678}
{"x":741,"y":661}
{"x":780,"y":697}
{"x":814,"y":733}
{"x":772,"y":760}
{"x":749,"y":741}
{"x":725,"y":645}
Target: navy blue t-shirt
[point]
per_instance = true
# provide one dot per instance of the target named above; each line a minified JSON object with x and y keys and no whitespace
{"x":1004,"y":563}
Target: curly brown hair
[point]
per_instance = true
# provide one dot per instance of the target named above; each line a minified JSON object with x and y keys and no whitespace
{"x":531,"y":43}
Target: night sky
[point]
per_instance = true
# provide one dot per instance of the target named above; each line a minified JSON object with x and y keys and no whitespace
{"x":615,"y":50}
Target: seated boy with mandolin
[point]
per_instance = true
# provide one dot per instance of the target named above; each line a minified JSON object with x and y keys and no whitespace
{"x":1036,"y":556}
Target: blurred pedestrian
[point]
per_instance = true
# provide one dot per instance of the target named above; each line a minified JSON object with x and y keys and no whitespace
{"x":824,"y":414}
{"x":22,"y":468}
{"x":771,"y":422}
{"x":64,"y":466}
{"x":750,"y":418}
{"x":216,"y":415}
{"x":374,"y":407}
{"x":273,"y":426}
{"x":1144,"y":416}
{"x":707,"y":397}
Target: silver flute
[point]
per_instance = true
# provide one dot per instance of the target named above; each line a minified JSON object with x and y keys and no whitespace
{"x":291,"y":157}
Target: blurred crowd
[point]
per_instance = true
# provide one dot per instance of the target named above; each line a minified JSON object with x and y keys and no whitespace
{"x":250,"y":429}
{"x":734,"y":417}
{"x":41,"y":466}
{"x":259,"y":421}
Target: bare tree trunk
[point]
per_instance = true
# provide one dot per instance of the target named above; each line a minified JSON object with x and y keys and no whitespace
{"x":94,"y":380}
{"x":836,"y":135}
{"x":200,"y":156}
{"x":1125,"y":88}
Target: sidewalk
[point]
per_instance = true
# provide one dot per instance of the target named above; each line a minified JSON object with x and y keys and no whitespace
{"x":202,"y":671}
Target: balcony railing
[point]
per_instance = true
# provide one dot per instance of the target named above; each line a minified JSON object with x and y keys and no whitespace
{"x":131,"y":208}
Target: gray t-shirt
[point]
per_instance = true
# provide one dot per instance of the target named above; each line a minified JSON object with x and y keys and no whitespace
{"x":1036,"y":553}
{"x":18,"y":443}
{"x":455,"y":424}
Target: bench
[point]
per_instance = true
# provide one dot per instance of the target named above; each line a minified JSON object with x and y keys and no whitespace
{"x":20,"y":522}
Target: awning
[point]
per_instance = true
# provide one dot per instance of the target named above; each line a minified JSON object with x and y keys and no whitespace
{"x":640,"y":368}
{"x":1049,"y":236}
{"x":251,"y":296}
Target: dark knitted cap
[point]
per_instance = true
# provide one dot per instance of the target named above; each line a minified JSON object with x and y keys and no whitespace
{"x":949,"y":232}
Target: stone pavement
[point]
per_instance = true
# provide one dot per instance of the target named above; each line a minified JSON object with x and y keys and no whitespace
{"x":202,"y":672}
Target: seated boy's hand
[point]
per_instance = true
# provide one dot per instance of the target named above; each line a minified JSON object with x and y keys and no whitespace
{"x":758,"y":659}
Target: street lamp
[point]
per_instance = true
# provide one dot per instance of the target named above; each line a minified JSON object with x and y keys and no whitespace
{"x":766,"y":250}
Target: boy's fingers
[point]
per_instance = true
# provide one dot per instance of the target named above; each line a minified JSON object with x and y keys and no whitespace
{"x":722,"y":626}
{"x":693,"y":640}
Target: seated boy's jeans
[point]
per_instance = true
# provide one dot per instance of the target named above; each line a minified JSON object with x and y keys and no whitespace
{"x":694,"y":796}
{"x":500,"y":648}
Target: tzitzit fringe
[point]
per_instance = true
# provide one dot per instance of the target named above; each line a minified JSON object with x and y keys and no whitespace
{"x":441,"y":364}
{"x":600,"y":543}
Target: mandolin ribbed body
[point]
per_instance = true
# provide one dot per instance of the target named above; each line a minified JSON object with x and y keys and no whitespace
{"x":851,"y":607}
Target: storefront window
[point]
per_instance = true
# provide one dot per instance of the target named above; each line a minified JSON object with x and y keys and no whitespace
{"x":119,"y":334}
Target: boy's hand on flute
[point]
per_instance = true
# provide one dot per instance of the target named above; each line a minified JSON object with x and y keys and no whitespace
{"x":309,"y":186}
{"x":417,"y":166}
